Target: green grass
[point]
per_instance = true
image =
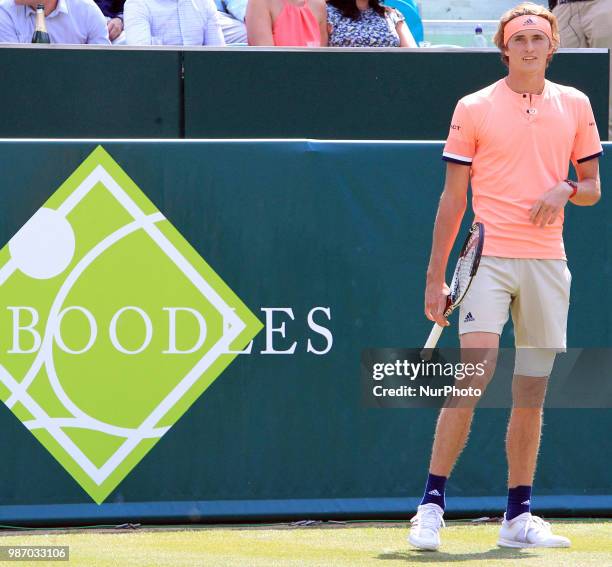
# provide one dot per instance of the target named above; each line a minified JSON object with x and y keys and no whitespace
{"x":355,"y":546}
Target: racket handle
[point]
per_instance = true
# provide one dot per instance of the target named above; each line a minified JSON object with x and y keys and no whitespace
{"x":434,"y":336}
{"x":432,"y":341}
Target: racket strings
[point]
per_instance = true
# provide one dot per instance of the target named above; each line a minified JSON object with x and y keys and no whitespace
{"x":464,"y":270}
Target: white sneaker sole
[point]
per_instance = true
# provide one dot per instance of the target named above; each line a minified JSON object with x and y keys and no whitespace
{"x":520,"y":544}
{"x":423,"y":546}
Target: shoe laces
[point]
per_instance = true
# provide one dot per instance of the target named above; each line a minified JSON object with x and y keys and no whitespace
{"x":537,"y":523}
{"x":428,"y":518}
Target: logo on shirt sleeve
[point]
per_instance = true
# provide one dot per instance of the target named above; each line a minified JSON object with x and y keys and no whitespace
{"x":455,"y":127}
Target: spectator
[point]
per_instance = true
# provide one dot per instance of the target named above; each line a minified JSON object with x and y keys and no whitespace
{"x":113,"y":12}
{"x":231,"y":19}
{"x":586,"y":24}
{"x":68,"y":21}
{"x":366,"y":23}
{"x":172,"y":22}
{"x":235,"y":8}
{"x":288,"y":23}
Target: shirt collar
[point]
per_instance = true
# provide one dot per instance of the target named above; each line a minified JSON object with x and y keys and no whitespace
{"x":520,"y":95}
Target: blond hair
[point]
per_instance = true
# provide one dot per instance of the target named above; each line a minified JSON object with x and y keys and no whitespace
{"x":526,"y":9}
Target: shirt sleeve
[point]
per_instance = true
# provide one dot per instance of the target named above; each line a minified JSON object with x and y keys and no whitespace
{"x":213,"y":34}
{"x":587,"y":144}
{"x":8,"y":33}
{"x":395,"y":16}
{"x":97,"y":34}
{"x":136,"y":22}
{"x":460,"y":145}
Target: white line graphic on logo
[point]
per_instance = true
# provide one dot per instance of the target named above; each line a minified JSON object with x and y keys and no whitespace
{"x":232,"y":328}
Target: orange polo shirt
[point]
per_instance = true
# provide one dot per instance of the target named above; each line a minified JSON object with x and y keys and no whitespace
{"x":518,"y":147}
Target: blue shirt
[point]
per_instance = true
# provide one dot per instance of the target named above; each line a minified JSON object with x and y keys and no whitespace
{"x":172,"y":22}
{"x":72,"y":22}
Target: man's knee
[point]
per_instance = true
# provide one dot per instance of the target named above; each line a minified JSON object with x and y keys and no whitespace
{"x":529,"y":391}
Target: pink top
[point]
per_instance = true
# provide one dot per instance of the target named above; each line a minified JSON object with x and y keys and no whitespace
{"x":296,"y":26}
{"x":519,"y":146}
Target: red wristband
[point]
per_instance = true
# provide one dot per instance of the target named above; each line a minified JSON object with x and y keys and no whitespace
{"x":574,"y":187}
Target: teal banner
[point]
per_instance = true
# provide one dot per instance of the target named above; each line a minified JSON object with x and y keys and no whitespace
{"x":182,"y":326}
{"x":237,"y":93}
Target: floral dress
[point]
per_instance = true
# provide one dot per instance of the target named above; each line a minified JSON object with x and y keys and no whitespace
{"x":369,"y":30}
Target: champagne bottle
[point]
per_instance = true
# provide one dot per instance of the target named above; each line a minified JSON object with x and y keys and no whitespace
{"x":40,"y":32}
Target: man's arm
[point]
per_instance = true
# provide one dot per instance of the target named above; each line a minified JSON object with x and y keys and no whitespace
{"x":589,"y":184}
{"x":97,"y":32}
{"x":550,"y":204}
{"x":213,"y":35}
{"x":448,"y":220}
{"x":8,"y":34}
{"x":137,"y":23}
{"x":115,"y":27}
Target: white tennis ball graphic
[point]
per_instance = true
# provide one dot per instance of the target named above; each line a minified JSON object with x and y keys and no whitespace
{"x":44,"y":246}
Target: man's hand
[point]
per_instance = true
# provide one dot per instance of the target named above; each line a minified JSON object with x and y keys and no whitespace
{"x":547,"y":208}
{"x":115,"y":27}
{"x":436,"y":294}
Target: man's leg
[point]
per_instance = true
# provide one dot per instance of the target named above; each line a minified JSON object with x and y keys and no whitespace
{"x":483,"y":314}
{"x":524,"y":428}
{"x":539,"y":312}
{"x":451,"y":434}
{"x":454,"y":423}
{"x":520,"y":528}
{"x":523,"y":441}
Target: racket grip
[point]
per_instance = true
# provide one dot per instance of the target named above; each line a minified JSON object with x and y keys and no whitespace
{"x":432,"y":341}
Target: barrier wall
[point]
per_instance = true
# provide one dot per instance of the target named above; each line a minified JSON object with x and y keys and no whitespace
{"x":354,"y":95}
{"x":299,"y":226}
{"x":258,"y":93}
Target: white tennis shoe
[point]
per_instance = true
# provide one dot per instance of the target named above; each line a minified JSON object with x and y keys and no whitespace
{"x":529,"y":531}
{"x":424,"y":532}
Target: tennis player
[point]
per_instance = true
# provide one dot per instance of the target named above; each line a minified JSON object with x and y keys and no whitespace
{"x":513,"y":140}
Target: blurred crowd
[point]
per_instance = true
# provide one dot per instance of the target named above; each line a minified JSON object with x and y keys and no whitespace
{"x":287,"y":23}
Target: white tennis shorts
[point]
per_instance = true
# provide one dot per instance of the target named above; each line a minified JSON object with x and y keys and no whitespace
{"x":537,"y":294}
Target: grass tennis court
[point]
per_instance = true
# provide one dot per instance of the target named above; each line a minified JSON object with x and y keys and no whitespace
{"x":353,"y":545}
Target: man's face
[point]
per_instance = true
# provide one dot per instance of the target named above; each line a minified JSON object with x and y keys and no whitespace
{"x":528,"y":51}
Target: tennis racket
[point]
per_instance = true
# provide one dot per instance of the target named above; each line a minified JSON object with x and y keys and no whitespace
{"x":465,"y":270}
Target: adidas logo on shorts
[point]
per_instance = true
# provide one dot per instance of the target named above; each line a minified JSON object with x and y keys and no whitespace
{"x":469,"y":318}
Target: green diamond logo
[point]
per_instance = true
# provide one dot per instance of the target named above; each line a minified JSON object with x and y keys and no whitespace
{"x":113,"y":325}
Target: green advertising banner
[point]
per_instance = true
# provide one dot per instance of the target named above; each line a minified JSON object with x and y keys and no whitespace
{"x":110,"y":281}
{"x":181,"y":326}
